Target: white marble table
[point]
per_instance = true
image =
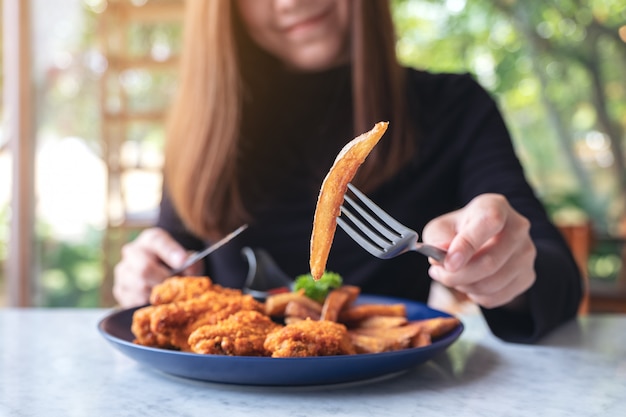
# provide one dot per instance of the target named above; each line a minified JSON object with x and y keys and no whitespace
{"x":55,"y":363}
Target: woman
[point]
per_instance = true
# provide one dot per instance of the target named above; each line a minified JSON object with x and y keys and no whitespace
{"x":270,"y":90}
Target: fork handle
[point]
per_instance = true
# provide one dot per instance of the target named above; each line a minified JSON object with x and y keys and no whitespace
{"x":431,"y":251}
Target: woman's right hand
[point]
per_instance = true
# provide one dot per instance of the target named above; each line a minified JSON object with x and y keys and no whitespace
{"x":146,"y":262}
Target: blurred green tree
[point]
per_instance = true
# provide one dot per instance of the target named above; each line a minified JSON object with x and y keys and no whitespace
{"x":556,"y":67}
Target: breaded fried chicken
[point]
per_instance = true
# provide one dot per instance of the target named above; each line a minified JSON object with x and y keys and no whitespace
{"x":241,"y":334}
{"x":141,"y":328}
{"x":309,"y":338}
{"x":185,"y":288}
{"x":172,"y":323}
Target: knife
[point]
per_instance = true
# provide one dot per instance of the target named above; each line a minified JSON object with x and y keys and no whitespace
{"x":197,"y":256}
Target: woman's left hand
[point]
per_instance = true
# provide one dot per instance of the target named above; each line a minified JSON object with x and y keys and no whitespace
{"x":490,"y":253}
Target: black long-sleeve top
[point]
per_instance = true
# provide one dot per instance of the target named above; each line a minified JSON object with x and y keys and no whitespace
{"x":293,"y":127}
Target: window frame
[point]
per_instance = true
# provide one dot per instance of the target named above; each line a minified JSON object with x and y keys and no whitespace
{"x":19,"y":124}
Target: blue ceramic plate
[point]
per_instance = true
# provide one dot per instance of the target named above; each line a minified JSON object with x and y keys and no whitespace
{"x":279,"y":371}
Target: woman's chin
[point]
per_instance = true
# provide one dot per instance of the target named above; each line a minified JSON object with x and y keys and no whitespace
{"x":315,"y":59}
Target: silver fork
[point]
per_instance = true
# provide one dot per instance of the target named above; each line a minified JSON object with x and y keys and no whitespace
{"x":378,"y":232}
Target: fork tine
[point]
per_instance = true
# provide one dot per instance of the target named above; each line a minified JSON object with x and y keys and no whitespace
{"x":367,"y":230}
{"x":400,"y":238}
{"x":390,"y":221}
{"x":388,"y":233}
{"x":360,"y":239}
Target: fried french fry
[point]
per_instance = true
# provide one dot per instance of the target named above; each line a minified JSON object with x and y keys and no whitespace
{"x":438,"y":326}
{"x":384,"y":322}
{"x":421,"y":339}
{"x":275,"y":304}
{"x":401,"y":333}
{"x":295,"y":308}
{"x":332,"y":191}
{"x":417,"y":333}
{"x":362,"y":311}
{"x":334,"y":302}
{"x":353,"y":292}
{"x":310,"y":303}
{"x":373,"y":344}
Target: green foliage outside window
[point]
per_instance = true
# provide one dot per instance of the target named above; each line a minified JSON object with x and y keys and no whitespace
{"x":556,"y":68}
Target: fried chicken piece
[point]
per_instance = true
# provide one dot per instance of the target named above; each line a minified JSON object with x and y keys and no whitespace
{"x":241,"y":334}
{"x":172,"y":323}
{"x":140,"y":327}
{"x":177,"y":321}
{"x":185,"y":288}
{"x":148,"y":330}
{"x":309,"y":338}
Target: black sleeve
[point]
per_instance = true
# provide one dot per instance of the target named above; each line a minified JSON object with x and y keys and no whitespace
{"x":170,"y":221}
{"x":491,"y":165}
{"x":554,"y":298}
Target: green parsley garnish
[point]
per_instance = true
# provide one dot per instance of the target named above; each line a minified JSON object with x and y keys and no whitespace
{"x":318,"y":290}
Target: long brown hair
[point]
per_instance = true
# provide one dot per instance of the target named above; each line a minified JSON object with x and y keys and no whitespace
{"x":202,"y":130}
